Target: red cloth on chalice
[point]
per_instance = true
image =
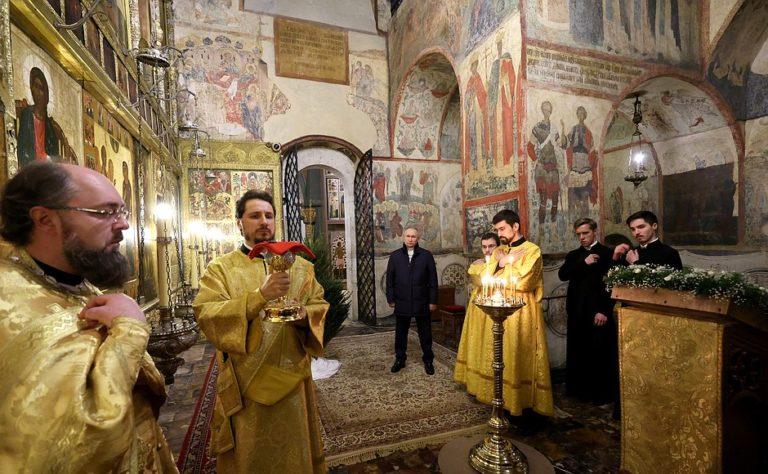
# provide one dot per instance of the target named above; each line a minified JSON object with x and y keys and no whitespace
{"x":279,"y":248}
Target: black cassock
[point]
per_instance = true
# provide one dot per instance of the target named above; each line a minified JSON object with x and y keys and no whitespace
{"x":657,"y":253}
{"x":592,"y":351}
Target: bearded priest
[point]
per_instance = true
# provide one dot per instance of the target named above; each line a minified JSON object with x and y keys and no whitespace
{"x":265,"y":417}
{"x":79,"y":392}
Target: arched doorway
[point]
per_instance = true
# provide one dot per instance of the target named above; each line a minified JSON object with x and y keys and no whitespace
{"x":335,"y":160}
{"x":692,"y":139}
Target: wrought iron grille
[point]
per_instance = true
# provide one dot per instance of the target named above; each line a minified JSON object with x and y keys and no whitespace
{"x":291,"y":196}
{"x":366,"y":278}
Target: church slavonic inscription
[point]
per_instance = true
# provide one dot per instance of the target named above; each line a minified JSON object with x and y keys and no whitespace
{"x":308,"y":51}
{"x":573,"y":70}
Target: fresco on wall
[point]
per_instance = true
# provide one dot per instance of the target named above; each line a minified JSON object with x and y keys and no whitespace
{"x":213,"y":12}
{"x":44,"y":93}
{"x":621,"y":198}
{"x":492,"y":116}
{"x":227,"y":73}
{"x":672,"y":108}
{"x":485,"y":16}
{"x":450,"y":213}
{"x":739,"y":65}
{"x":450,"y":141}
{"x":665,"y":31}
{"x":410,"y":194}
{"x":421,"y":25}
{"x":213,"y":194}
{"x":563,"y":170}
{"x":422,"y":106}
{"x":756,"y":137}
{"x":756,"y":199}
{"x":694,"y":152}
{"x":479,"y":220}
{"x":383,"y":15}
{"x":367,"y":92}
{"x":108,"y":149}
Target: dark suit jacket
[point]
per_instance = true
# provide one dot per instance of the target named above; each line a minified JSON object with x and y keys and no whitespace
{"x":657,"y":253}
{"x":587,"y":295}
{"x":411,"y":286}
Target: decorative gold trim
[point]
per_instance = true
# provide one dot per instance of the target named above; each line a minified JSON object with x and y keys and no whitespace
{"x":255,"y":156}
{"x":35,"y":18}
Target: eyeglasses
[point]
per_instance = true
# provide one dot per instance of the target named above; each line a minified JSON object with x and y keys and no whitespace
{"x":115,"y":214}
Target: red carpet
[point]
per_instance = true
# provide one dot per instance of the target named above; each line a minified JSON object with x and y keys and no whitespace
{"x":194,"y":456}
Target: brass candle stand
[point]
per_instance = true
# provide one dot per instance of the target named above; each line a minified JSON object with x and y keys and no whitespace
{"x":496,"y":454}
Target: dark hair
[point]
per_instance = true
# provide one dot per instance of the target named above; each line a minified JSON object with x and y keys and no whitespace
{"x":37,"y":184}
{"x":585,"y":220}
{"x":647,"y":216}
{"x":507,"y":215}
{"x":37,"y":73}
{"x":614,"y":240}
{"x":252,"y":194}
{"x":490,"y":235}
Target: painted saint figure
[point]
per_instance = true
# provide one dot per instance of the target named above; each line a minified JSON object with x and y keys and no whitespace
{"x":40,"y":137}
{"x":478,"y":138}
{"x":501,"y":97}
{"x":541,"y":149}
{"x":581,"y":154}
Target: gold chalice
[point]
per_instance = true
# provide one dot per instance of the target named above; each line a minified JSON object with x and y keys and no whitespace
{"x":284,"y":309}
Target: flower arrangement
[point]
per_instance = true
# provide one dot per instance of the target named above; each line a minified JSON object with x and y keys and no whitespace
{"x":708,"y":283}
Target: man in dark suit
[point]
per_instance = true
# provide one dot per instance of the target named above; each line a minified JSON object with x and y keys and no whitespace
{"x":644,"y":227}
{"x":412,"y":291}
{"x":591,"y":351}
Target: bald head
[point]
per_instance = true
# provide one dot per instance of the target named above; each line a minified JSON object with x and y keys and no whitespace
{"x":89,"y":184}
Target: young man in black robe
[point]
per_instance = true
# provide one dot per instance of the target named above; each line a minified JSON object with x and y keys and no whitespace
{"x":650,"y":250}
{"x":591,"y":351}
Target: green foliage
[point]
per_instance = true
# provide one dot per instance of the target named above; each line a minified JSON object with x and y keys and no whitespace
{"x":708,"y":283}
{"x":335,"y":293}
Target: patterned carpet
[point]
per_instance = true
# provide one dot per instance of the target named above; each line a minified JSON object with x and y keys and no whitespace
{"x":367,"y":412}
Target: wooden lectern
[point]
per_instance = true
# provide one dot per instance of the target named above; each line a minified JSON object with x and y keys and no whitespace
{"x":694,"y":384}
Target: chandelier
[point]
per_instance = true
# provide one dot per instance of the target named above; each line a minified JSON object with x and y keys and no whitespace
{"x":639,"y":151}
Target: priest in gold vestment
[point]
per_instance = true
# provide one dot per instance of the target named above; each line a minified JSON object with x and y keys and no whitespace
{"x":265,"y":417}
{"x":527,"y":382}
{"x":79,"y":393}
{"x":475,"y":355}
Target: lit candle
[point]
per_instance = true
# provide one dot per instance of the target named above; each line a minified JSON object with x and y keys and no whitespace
{"x":163,"y":212}
{"x":514,"y":288}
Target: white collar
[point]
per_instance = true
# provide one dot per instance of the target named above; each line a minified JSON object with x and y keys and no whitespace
{"x":245,"y":244}
{"x":649,"y":243}
{"x":592,"y":245}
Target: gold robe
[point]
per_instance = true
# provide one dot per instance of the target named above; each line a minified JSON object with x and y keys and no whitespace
{"x":73,"y":400}
{"x":473,"y":361}
{"x":265,"y":418}
{"x":526,"y":362}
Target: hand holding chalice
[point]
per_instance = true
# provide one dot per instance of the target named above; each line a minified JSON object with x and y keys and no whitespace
{"x":279,"y":258}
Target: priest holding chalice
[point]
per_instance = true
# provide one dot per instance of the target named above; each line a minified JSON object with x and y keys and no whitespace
{"x":263,"y":309}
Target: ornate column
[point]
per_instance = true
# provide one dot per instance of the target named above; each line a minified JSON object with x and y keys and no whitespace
{"x":6,"y":90}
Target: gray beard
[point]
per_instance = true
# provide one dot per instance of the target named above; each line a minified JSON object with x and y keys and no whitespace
{"x":103,"y":268}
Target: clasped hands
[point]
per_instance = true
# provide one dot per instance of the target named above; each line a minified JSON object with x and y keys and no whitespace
{"x":621,"y":249}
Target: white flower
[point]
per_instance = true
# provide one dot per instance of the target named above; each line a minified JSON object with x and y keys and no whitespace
{"x":710,"y":272}
{"x":668,"y":278}
{"x":637,"y":270}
